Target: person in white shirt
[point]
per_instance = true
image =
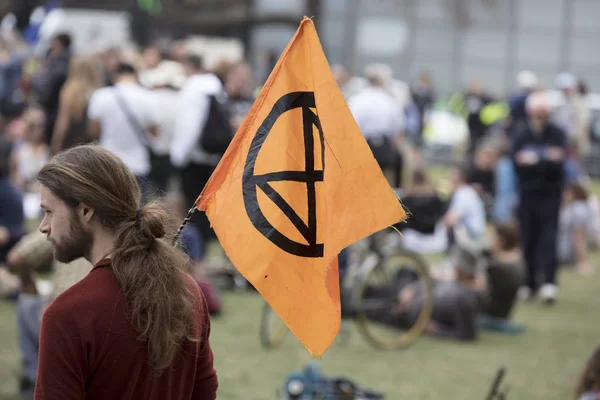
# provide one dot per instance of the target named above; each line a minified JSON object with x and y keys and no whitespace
{"x":573,"y":116}
{"x":380,"y":117}
{"x":193,"y":105}
{"x":465,"y":218}
{"x":165,"y":82}
{"x":123,"y":117}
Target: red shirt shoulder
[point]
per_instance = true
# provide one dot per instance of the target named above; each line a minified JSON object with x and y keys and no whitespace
{"x":89,"y":349}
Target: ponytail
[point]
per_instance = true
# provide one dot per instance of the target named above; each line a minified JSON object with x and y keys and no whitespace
{"x":149,"y":271}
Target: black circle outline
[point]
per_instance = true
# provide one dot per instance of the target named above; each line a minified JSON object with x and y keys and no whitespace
{"x":251,"y":182}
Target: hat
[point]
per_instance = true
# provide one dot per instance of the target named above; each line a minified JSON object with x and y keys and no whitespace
{"x":167,"y":73}
{"x":464,"y":260}
{"x":566,"y":80}
{"x":527,"y":80}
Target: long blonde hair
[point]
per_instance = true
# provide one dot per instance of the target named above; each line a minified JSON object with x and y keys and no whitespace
{"x":84,"y":78}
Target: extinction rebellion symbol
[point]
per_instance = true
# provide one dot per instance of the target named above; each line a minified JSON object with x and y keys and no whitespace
{"x":251,"y":182}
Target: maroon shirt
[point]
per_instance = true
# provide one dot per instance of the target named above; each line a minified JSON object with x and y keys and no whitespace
{"x":89,"y":349}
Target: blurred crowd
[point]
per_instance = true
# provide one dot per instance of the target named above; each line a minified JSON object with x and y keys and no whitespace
{"x":165,"y":115}
{"x":523,"y":173}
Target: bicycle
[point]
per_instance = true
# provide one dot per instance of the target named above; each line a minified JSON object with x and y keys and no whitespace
{"x":369,"y":295}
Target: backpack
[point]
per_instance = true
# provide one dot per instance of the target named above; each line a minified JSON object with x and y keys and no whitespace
{"x":310,"y":384}
{"x":217,"y":133}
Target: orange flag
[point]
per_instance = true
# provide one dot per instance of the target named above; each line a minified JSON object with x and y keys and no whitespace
{"x":296,"y":186}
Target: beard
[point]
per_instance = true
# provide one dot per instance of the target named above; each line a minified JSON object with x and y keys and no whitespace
{"x":78,"y":243}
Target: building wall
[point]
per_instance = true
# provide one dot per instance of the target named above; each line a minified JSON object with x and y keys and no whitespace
{"x":500,"y":38}
{"x":272,"y":37}
{"x":491,"y":40}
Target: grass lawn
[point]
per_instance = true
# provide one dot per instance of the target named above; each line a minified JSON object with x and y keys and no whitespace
{"x":543,"y":363}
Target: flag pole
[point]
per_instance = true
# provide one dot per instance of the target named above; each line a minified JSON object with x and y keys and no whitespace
{"x":184,"y":223}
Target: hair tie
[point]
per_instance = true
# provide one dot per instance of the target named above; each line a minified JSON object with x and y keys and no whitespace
{"x":138,"y":215}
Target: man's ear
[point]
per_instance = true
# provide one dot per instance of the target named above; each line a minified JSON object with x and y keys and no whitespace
{"x":86,"y":212}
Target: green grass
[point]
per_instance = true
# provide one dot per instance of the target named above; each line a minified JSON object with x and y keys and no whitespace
{"x":543,"y":363}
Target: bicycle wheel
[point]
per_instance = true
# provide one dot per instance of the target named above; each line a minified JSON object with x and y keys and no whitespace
{"x":377,"y":320}
{"x":272,"y":329}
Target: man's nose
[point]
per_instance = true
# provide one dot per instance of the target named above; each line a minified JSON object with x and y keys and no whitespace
{"x":44,"y":226}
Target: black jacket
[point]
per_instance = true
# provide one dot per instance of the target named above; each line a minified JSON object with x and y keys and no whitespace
{"x":545,"y":177}
{"x":58,"y":72}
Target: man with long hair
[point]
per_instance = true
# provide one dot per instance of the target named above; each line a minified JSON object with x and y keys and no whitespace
{"x":137,"y":327}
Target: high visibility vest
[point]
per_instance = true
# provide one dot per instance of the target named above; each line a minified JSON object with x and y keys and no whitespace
{"x":488,"y":115}
{"x":494,"y":112}
{"x":153,"y":7}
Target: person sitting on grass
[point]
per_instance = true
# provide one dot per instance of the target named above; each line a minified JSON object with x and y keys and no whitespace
{"x":422,"y":196}
{"x":426,"y":232}
{"x":504,"y":275}
{"x":589,"y":382}
{"x":481,"y":174}
{"x":575,"y":228}
{"x":456,"y":303}
{"x":465,"y":217}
